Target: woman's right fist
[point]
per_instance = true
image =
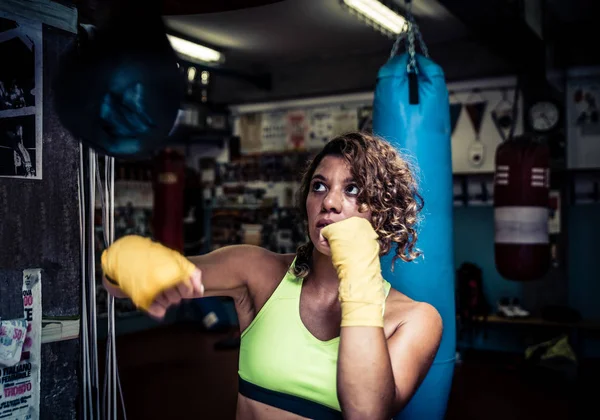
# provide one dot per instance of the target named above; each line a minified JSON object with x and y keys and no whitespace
{"x":188,"y":290}
{"x":150,"y":274}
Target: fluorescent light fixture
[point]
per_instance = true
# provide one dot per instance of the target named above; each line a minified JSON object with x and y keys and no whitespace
{"x":195,"y":52}
{"x":380,"y":14}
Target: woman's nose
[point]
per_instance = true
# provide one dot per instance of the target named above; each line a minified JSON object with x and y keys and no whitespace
{"x":332,"y":202}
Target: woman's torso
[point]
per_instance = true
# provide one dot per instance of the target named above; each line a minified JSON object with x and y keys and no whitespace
{"x":316,"y":325}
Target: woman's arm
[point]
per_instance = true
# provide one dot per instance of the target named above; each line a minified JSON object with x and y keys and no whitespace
{"x":223,"y":272}
{"x":377,"y":377}
{"x":365,"y":378}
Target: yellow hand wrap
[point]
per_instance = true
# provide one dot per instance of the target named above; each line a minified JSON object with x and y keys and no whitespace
{"x":355,"y":256}
{"x":143,"y":268}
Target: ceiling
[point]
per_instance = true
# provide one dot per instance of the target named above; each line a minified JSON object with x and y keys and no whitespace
{"x":309,"y":47}
{"x":294,"y":30}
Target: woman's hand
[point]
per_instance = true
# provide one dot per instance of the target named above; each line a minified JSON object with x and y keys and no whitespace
{"x":191,"y":290}
{"x":153,"y":276}
{"x":172,"y":296}
{"x":355,"y":255}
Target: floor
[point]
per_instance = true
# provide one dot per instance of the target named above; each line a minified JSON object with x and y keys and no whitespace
{"x":175,"y":372}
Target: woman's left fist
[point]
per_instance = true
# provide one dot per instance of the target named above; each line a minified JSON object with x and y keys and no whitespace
{"x":355,"y":256}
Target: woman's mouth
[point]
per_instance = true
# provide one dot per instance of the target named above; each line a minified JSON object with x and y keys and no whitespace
{"x":322,"y":223}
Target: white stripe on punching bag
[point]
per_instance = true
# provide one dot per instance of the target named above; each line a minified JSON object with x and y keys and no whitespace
{"x":501,"y":176}
{"x":521,"y":225}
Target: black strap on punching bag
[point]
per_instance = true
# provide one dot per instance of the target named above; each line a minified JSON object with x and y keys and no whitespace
{"x":119,"y":88}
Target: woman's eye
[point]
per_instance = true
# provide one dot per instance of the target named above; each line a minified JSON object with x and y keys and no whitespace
{"x":352,"y":190}
{"x":318,"y":187}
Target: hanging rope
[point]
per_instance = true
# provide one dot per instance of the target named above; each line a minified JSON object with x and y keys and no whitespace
{"x":90,"y":182}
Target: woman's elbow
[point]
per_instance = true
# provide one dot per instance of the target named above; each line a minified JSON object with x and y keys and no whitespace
{"x":380,"y":409}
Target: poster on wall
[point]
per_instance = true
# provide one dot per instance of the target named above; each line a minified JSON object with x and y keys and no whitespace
{"x":20,"y":355}
{"x":329,"y":122}
{"x":345,"y":121}
{"x":321,"y":122}
{"x":274,"y":131}
{"x":297,"y":129}
{"x":20,"y":98}
{"x":583,"y":113}
{"x":250,"y":126}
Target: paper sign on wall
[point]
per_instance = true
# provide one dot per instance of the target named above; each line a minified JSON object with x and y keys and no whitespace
{"x":274,"y":131}
{"x":297,"y":128}
{"x":345,"y":121}
{"x":583,"y":123}
{"x":321,"y":127}
{"x":20,"y":382}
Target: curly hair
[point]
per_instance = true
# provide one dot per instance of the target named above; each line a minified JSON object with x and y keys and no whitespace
{"x":387,"y":186}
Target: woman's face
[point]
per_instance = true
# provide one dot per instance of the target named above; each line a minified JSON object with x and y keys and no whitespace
{"x":332,"y":197}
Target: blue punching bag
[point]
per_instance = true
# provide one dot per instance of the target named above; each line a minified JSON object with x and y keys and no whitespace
{"x":411,"y":111}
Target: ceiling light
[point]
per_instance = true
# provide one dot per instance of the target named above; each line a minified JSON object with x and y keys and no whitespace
{"x":195,"y":52}
{"x":383,"y":16}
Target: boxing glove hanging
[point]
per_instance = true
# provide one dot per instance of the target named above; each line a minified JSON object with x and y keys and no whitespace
{"x":521,"y":197}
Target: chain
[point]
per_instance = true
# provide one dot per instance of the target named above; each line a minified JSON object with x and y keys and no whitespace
{"x":419,"y":36}
{"x":412,"y":62}
{"x":399,"y":40}
{"x":407,"y":35}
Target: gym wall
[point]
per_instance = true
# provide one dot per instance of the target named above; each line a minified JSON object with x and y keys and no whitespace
{"x":39,"y":227}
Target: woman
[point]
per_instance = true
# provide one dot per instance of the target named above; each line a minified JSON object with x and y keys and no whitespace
{"x":323,"y":334}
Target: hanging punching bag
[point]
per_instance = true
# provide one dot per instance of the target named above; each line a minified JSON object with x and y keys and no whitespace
{"x":412,"y":111}
{"x":521,"y":198}
{"x":119,"y":89}
{"x":168,"y":186}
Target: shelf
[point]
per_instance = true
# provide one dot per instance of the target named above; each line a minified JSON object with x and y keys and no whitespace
{"x":540,"y":322}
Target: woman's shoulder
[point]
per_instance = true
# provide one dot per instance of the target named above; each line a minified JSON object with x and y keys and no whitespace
{"x":264,"y":266}
{"x":254,"y":254}
{"x":402,"y":311}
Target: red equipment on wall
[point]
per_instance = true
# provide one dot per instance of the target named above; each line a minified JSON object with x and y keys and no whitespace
{"x":168,"y":185}
{"x":521,"y":200}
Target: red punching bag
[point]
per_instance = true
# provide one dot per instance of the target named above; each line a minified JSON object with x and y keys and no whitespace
{"x":521,"y":198}
{"x":168,"y":185}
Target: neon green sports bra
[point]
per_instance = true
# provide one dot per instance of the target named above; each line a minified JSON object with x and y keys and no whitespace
{"x":282,"y":364}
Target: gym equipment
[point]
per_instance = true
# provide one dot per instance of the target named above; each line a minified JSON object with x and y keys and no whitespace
{"x":119,"y":89}
{"x":411,"y":110}
{"x":521,"y":201}
{"x":168,"y":186}
{"x":91,"y":182}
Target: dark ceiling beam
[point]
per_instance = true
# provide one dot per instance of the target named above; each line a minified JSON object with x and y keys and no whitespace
{"x":499,"y":24}
{"x":95,"y":11}
{"x":501,"y":27}
{"x":194,"y":7}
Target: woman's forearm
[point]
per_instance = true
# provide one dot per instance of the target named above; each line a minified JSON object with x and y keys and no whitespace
{"x":365,"y":380}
